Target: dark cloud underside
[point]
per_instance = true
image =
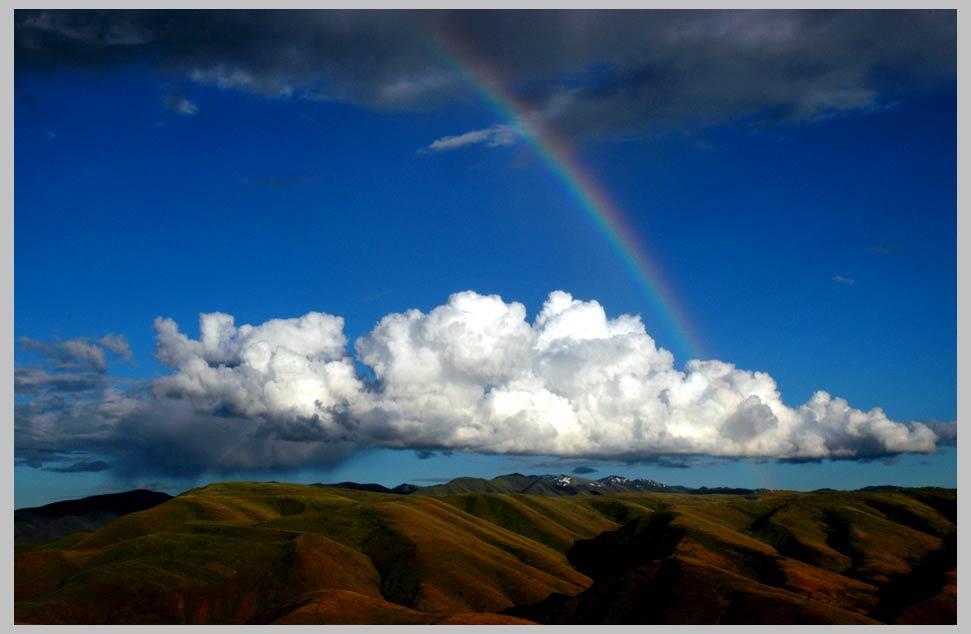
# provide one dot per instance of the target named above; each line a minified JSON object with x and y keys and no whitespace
{"x":590,"y":72}
{"x":81,"y":467}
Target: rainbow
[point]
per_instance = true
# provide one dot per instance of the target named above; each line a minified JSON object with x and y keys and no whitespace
{"x":560,"y":158}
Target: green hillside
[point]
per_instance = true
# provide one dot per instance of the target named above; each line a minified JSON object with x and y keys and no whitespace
{"x":243,"y":552}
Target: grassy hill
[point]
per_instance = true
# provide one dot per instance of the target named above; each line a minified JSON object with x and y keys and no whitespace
{"x":281,"y":553}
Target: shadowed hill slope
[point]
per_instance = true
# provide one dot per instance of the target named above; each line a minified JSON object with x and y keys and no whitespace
{"x":861,"y":557}
{"x":281,"y":553}
{"x":46,"y":523}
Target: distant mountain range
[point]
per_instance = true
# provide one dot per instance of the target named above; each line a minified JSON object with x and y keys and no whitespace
{"x":561,"y":485}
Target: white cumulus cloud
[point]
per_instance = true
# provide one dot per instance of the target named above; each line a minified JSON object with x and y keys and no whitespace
{"x":474,"y":374}
{"x":282,"y":369}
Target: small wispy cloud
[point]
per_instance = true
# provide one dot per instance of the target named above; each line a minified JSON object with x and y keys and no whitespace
{"x":180,"y":105}
{"x":947,"y":431}
{"x":117,"y":344}
{"x":882,"y":248}
{"x":81,"y":467}
{"x":73,"y":354}
{"x":37,"y":380}
{"x":848,"y":281}
{"x":498,"y":135}
{"x":80,"y":353}
{"x":278,"y":181}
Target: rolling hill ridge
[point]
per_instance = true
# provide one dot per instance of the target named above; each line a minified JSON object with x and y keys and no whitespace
{"x":243,"y":552}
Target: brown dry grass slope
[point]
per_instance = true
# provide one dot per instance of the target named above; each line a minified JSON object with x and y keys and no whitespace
{"x":247,"y":552}
{"x":280,"y":553}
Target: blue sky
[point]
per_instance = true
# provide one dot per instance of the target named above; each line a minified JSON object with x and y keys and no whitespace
{"x":816,"y":246}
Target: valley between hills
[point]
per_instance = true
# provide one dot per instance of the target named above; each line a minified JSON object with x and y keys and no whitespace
{"x":512,"y":550}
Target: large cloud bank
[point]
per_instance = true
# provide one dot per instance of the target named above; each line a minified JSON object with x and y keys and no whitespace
{"x":473,"y":375}
{"x":588,"y":72}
